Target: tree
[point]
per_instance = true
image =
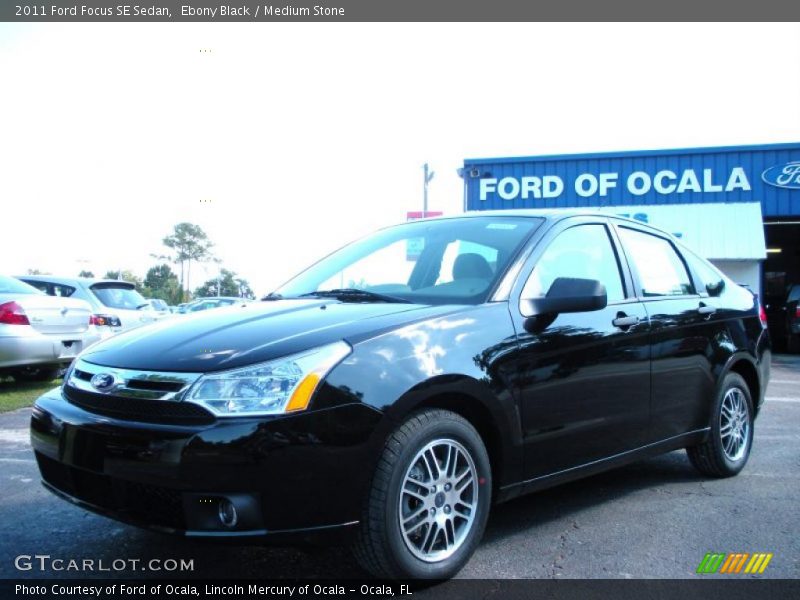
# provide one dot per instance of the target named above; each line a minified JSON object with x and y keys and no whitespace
{"x":228,"y":284}
{"x":189,"y":243}
{"x":84,"y":273}
{"x":161,"y":282}
{"x":37,"y":272}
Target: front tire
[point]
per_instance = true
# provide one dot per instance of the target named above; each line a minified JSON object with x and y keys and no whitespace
{"x":727,"y":449}
{"x":429,"y":499}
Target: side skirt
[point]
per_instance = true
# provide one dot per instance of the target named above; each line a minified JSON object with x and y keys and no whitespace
{"x":542,"y":482}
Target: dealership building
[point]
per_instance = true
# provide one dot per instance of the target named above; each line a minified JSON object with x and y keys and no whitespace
{"x":738,"y":206}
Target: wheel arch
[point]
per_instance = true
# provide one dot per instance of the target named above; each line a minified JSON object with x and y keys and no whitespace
{"x":493,"y":417}
{"x":744,"y":366}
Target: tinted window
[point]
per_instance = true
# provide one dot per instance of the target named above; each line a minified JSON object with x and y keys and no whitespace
{"x":65,"y":291}
{"x":9,"y":285}
{"x":660,"y":268}
{"x":709,"y":276}
{"x":118,"y":297}
{"x":583,"y":252}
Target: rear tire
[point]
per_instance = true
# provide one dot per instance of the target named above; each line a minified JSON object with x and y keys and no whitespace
{"x":727,"y":449}
{"x":429,"y":499}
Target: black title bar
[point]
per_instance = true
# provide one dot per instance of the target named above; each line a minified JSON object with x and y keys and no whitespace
{"x":398,"y":10}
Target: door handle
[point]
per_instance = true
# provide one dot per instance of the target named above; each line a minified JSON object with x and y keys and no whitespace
{"x":624,"y":320}
{"x":705,"y":309}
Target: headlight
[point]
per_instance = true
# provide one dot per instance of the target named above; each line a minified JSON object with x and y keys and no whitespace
{"x":276,"y":387}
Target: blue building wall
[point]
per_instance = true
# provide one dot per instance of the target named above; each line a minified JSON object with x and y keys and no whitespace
{"x":769,"y":174}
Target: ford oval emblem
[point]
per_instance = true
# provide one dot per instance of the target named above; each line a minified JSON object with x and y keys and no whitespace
{"x":783,"y":176}
{"x":103,"y":382}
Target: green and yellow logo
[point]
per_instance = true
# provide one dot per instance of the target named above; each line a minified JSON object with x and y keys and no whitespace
{"x":734,"y":562}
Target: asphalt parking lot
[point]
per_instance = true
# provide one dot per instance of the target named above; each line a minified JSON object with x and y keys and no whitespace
{"x":653,"y":519}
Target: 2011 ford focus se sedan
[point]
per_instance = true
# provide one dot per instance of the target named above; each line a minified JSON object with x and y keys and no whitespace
{"x":395,"y":390}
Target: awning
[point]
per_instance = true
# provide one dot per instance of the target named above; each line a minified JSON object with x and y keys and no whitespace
{"x":721,"y":231}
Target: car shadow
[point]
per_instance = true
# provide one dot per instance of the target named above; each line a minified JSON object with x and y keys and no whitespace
{"x":525,"y":514}
{"x":565,"y":500}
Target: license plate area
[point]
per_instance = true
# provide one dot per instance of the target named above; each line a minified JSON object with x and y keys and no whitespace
{"x":70,"y":348}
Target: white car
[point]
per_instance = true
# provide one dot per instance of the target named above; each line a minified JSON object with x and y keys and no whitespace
{"x":116,"y":305}
{"x":39,"y":335}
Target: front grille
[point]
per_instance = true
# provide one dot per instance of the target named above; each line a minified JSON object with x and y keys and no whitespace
{"x":136,"y":409}
{"x":155,"y":386}
{"x":150,"y":504}
{"x":139,"y":384}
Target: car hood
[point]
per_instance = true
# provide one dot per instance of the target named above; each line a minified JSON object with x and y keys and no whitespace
{"x":227,"y":338}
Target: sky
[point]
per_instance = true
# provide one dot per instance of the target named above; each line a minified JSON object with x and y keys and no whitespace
{"x":284,"y":141}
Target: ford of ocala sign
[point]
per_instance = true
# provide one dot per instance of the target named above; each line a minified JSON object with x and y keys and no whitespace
{"x":783,"y":176}
{"x":636,"y":183}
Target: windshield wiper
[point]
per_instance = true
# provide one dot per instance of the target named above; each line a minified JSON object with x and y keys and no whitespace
{"x":354,"y":295}
{"x":272,"y":296}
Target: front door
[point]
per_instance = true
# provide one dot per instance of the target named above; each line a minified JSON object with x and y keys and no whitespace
{"x":584,"y":378}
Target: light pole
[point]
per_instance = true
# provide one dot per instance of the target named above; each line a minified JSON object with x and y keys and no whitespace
{"x":428,"y":175}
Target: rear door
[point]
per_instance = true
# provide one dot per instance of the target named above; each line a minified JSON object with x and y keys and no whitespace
{"x":682,"y":330}
{"x":584,"y":378}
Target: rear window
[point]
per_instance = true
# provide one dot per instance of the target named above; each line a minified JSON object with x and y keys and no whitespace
{"x":118,"y":297}
{"x":9,"y":285}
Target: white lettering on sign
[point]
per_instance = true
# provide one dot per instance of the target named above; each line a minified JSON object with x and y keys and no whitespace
{"x":586,"y":185}
{"x":508,"y":188}
{"x":660,"y":185}
{"x":689,"y":182}
{"x":738,"y":180}
{"x":638,"y":183}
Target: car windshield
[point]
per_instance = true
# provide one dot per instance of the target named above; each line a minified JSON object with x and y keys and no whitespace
{"x":429,"y":262}
{"x":794,"y":294}
{"x":115,"y":296}
{"x":9,"y":285}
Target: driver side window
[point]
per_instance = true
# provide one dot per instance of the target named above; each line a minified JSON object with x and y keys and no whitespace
{"x":583,"y":251}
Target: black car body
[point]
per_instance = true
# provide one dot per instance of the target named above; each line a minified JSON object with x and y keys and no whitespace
{"x":542,"y":375}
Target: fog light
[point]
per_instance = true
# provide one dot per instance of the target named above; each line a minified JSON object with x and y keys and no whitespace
{"x":227,"y":513}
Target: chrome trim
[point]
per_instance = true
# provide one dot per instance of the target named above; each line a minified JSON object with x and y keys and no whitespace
{"x":124,"y":377}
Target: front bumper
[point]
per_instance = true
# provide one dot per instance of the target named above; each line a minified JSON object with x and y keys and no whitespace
{"x":288,"y":476}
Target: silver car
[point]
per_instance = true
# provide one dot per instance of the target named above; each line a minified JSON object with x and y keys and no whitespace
{"x":116,"y":305}
{"x":39,"y":334}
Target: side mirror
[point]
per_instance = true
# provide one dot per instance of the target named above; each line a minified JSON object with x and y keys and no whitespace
{"x":715,"y":289}
{"x":567,"y":295}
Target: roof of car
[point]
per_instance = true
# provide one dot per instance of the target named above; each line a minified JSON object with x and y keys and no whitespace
{"x":87,"y":281}
{"x":550,"y":214}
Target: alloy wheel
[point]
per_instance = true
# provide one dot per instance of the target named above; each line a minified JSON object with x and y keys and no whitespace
{"x":734,"y":424}
{"x":438,"y":500}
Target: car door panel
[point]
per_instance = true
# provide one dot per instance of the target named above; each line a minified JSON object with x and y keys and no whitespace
{"x":584,"y":381}
{"x":682,"y":330}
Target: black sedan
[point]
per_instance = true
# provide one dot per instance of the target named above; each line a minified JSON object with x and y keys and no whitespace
{"x":389,"y":394}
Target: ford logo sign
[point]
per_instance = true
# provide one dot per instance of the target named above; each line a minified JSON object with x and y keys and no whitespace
{"x":783,"y":176}
{"x":103,"y":382}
